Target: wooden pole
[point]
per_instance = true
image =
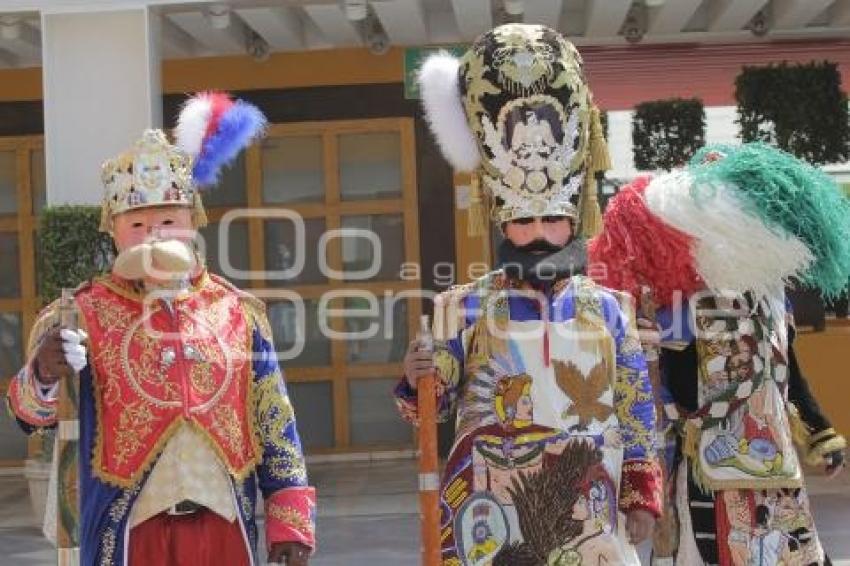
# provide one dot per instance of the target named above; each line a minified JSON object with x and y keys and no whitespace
{"x":429,"y":478}
{"x":68,"y":436}
{"x":665,"y":536}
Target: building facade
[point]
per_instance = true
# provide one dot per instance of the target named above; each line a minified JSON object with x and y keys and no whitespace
{"x":380,"y":215}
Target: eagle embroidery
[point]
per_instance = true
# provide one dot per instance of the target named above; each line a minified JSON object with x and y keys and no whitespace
{"x":583,"y":392}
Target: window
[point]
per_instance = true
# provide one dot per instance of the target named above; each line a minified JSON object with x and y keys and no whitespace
{"x":352,"y":184}
{"x":22,"y":195}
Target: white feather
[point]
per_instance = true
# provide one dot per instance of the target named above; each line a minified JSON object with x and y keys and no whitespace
{"x":438,"y":83}
{"x":734,"y":250}
{"x":192,"y":124}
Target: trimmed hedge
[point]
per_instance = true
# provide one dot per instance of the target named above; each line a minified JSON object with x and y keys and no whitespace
{"x":71,"y":248}
{"x":667,"y":133}
{"x":800,"y":108}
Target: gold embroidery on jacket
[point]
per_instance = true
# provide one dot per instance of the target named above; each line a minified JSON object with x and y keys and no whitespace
{"x":291,"y":516}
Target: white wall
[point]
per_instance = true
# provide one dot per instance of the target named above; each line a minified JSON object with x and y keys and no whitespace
{"x":101,"y":90}
{"x":720,"y":127}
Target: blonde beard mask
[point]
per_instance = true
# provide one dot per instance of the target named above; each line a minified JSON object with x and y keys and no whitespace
{"x":157,"y":260}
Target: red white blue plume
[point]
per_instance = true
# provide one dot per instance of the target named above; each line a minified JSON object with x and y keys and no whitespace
{"x":213,"y":128}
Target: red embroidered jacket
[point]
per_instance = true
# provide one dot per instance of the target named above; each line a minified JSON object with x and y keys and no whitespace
{"x":205,"y":357}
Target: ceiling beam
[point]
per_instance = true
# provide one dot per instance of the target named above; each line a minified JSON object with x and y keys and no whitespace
{"x":76,"y":6}
{"x":7,"y":59}
{"x":176,"y":42}
{"x":331,"y":21}
{"x":280,"y":26}
{"x":671,"y":16}
{"x":604,"y":18}
{"x":796,"y":13}
{"x":840,"y":14}
{"x":313,"y":38}
{"x":546,"y":12}
{"x":733,"y":15}
{"x":442,"y":27}
{"x":403,"y":20}
{"x":20,"y":39}
{"x":230,"y":40}
{"x":473,"y":17}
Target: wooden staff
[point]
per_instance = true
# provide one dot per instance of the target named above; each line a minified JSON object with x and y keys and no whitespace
{"x":68,"y":436}
{"x":429,"y":478}
{"x":665,"y":535}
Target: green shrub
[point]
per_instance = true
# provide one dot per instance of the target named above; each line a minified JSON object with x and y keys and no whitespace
{"x":71,"y":249}
{"x":800,"y":108}
{"x":667,"y":133}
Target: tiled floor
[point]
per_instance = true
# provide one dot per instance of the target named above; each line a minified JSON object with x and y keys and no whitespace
{"x":368,"y":516}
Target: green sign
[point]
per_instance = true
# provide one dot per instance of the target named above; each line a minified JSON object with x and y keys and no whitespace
{"x":413,"y":58}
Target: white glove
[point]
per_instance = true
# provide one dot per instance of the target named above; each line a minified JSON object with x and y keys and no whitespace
{"x":72,"y":345}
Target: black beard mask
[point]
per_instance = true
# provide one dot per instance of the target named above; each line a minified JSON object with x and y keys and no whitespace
{"x":541,"y":245}
{"x":522,"y":264}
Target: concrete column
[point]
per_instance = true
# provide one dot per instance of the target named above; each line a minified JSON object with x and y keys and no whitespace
{"x":102,"y":87}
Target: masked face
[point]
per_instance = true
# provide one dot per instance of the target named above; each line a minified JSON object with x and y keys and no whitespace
{"x":154,"y":243}
{"x":163,"y":222}
{"x":539,"y":235}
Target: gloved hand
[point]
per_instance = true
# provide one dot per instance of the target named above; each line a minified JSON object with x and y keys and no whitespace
{"x":61,"y":348}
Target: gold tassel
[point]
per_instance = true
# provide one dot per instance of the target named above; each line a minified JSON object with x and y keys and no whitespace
{"x":690,"y":441}
{"x":199,"y":215}
{"x":590,"y":216}
{"x":476,"y":218}
{"x":105,"y":218}
{"x":690,"y":448}
{"x":598,"y":159}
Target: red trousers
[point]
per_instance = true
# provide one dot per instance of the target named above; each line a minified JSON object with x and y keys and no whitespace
{"x":198,"y":539}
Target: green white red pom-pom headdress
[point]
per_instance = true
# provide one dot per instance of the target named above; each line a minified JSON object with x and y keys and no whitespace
{"x":747,"y":218}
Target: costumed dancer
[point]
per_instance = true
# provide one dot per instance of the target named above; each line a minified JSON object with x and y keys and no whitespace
{"x":553,"y":459}
{"x":183,"y":407}
{"x":717,"y":242}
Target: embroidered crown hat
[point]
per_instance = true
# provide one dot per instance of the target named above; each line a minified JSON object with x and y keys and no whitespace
{"x":151,"y":173}
{"x":517,"y":113}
